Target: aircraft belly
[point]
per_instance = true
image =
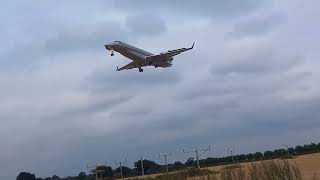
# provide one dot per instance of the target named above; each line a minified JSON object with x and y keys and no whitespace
{"x":133,"y":55}
{"x":161,"y":64}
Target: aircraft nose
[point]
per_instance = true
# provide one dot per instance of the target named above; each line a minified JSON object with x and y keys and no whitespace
{"x":107,"y":47}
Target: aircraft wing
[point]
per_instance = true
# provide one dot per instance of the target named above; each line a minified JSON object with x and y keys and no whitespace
{"x":170,"y":53}
{"x":128,"y":66}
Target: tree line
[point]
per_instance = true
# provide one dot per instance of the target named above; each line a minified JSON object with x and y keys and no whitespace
{"x":151,"y":167}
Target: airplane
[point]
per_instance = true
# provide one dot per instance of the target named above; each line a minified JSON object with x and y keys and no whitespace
{"x":141,"y":58}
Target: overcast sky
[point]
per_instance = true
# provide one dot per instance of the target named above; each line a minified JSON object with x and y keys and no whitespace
{"x":251,"y":83}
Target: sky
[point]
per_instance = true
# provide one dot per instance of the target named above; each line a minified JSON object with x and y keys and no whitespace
{"x":250,"y":84}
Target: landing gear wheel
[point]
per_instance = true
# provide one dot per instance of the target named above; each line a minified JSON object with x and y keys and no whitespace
{"x":112,"y":54}
{"x":140,"y":70}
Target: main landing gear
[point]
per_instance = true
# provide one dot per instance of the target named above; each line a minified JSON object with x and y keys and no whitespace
{"x":112,"y":53}
{"x":140,"y":69}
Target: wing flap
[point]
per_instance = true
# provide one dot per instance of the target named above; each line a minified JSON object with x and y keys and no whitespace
{"x":159,"y":57}
{"x":128,"y":66}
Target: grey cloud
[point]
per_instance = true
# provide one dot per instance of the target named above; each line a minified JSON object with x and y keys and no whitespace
{"x":137,"y":110}
{"x":92,"y":107}
{"x":213,"y":8}
{"x":146,"y":24}
{"x":90,"y":37}
{"x":254,"y":116}
{"x":260,"y":71}
{"x":262,"y":60}
{"x":256,"y":26}
{"x":68,"y":40}
{"x":263,"y":65}
{"x":279,"y":117}
{"x":229,"y":88}
{"x":105,"y":79}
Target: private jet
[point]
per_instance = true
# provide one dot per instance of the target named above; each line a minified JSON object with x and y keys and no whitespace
{"x":141,"y":58}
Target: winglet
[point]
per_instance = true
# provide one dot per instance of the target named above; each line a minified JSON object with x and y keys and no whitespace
{"x":192,"y":45}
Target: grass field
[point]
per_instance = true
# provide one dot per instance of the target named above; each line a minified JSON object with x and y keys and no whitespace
{"x":309,"y":165}
{"x":306,"y":166}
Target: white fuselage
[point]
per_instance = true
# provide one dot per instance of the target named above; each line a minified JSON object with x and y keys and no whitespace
{"x":137,"y":55}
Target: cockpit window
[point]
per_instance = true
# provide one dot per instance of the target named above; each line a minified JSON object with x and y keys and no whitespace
{"x":118,"y":41}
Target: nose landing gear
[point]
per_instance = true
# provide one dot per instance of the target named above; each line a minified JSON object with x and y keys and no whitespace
{"x":112,"y":53}
{"x":140,"y":69}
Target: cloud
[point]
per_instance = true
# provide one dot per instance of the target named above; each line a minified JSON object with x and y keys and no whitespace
{"x":105,"y":79}
{"x":57,"y":31}
{"x":88,"y":38}
{"x":256,"y":26}
{"x":215,"y":9}
{"x":146,"y":24}
{"x":260,"y":59}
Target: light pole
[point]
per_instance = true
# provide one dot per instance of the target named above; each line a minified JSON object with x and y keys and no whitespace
{"x":197,"y":153}
{"x":231,"y":153}
{"x":165,"y":160}
{"x":142,"y":169}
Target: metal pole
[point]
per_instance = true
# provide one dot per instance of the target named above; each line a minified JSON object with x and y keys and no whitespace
{"x":232,"y":157}
{"x":287,"y":146}
{"x":197,"y":155}
{"x":165,"y":159}
{"x":231,"y":154}
{"x":142,"y":169}
{"x":121,"y":170}
{"x":96,"y":171}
